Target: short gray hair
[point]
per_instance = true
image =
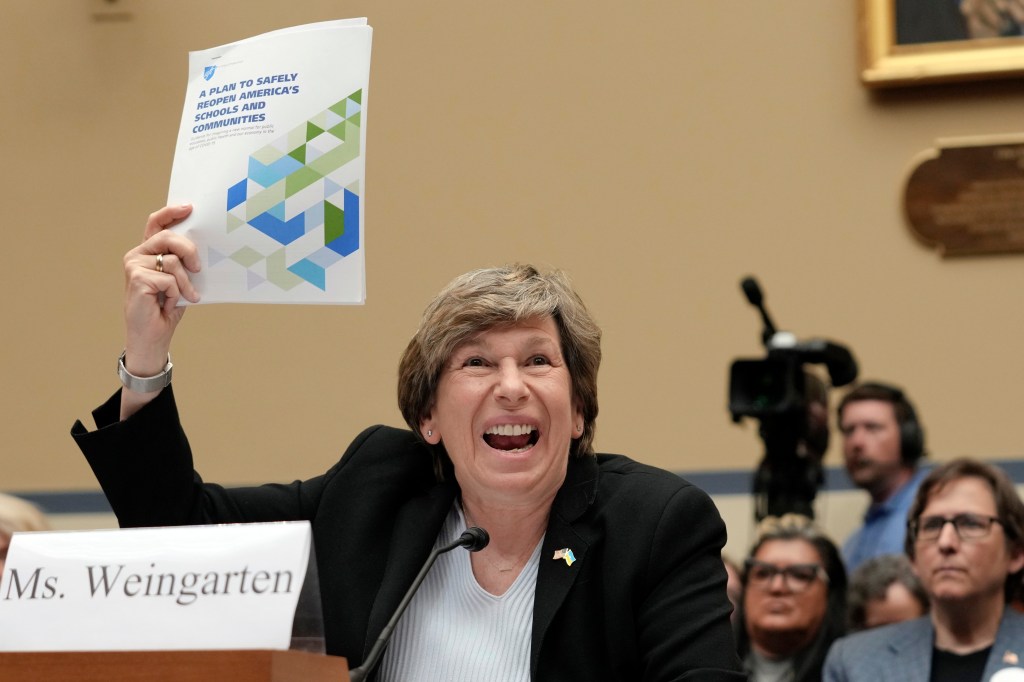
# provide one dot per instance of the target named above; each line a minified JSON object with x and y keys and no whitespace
{"x":872,"y":579}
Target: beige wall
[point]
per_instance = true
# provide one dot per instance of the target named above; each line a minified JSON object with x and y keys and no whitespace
{"x":658,"y":151}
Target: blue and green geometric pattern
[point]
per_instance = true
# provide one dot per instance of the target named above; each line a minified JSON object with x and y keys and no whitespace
{"x":293,"y":194}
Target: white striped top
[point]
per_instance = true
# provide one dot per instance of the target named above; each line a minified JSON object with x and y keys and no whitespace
{"x":454,"y":630}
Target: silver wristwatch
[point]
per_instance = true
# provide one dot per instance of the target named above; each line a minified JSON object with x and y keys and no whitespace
{"x":144,"y":384}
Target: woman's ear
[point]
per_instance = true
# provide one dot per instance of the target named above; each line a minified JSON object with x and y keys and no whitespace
{"x":428,"y":431}
{"x":577,"y":424}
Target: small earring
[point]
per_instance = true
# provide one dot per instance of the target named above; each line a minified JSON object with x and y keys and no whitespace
{"x":429,"y":433}
{"x":579,"y":428}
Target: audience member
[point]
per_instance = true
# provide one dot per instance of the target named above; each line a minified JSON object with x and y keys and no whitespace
{"x":794,"y":601}
{"x":884,"y":590}
{"x":965,"y":538}
{"x":882,"y":444}
{"x":16,"y":515}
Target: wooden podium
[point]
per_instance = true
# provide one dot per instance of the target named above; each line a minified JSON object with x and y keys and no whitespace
{"x":259,"y":665}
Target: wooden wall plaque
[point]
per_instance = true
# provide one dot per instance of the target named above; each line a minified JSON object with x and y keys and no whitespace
{"x":966,"y":196}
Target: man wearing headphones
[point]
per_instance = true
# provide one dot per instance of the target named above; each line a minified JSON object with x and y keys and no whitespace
{"x":882,"y":443}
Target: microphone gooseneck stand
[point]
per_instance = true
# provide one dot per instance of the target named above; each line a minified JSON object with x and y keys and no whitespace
{"x":474,"y":539}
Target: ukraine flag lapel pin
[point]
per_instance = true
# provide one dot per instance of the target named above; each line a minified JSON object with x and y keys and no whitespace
{"x":566,"y":554}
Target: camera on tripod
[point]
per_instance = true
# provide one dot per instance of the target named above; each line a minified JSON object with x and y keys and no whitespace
{"x":789,"y":402}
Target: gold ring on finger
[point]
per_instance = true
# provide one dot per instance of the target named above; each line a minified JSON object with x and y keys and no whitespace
{"x":159,"y":262}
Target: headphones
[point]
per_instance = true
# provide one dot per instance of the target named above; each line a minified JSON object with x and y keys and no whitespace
{"x":911,"y":432}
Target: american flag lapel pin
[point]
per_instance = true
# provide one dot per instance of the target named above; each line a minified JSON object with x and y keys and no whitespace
{"x":564,"y":553}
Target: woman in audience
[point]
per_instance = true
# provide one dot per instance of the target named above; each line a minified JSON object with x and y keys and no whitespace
{"x":794,"y":601}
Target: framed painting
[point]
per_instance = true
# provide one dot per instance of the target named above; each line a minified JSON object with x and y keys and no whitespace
{"x":910,"y":42}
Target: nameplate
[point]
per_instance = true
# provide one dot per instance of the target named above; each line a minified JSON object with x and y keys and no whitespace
{"x":189,"y":587}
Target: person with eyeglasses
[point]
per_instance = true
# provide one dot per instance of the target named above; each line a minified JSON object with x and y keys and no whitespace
{"x":965,"y":539}
{"x":794,"y":601}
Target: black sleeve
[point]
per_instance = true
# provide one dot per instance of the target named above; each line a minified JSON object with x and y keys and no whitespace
{"x":144,"y":466}
{"x":683,"y":625}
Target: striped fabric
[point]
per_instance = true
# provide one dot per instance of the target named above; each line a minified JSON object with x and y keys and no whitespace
{"x":454,"y":630}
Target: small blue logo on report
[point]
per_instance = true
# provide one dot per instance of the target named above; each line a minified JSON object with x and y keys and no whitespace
{"x":208,"y":72}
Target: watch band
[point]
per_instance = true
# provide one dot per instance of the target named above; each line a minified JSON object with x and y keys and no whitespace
{"x":144,"y":384}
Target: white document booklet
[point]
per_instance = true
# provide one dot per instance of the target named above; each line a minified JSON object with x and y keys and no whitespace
{"x":271,"y":155}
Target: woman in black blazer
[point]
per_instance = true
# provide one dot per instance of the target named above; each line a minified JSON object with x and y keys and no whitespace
{"x":598,"y":568}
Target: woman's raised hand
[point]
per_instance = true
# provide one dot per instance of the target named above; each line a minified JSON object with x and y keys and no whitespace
{"x":156,"y":276}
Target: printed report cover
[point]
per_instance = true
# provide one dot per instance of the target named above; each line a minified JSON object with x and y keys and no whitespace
{"x":271,"y":155}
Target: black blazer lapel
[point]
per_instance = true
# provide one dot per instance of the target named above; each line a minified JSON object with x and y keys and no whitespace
{"x":555,"y":577}
{"x":416,"y":527}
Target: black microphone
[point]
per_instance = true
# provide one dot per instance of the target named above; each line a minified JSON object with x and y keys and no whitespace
{"x":753,"y":292}
{"x":474,"y":539}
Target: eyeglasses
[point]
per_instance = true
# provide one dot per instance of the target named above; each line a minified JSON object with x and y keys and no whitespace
{"x":968,"y":526}
{"x":797,"y":577}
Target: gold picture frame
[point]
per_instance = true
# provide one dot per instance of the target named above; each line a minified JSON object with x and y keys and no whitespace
{"x":886,"y":63}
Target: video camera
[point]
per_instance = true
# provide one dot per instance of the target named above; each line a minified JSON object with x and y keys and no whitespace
{"x":775,"y":385}
{"x":776,"y":391}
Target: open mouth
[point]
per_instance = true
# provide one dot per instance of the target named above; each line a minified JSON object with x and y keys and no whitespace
{"x":512,"y":437}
